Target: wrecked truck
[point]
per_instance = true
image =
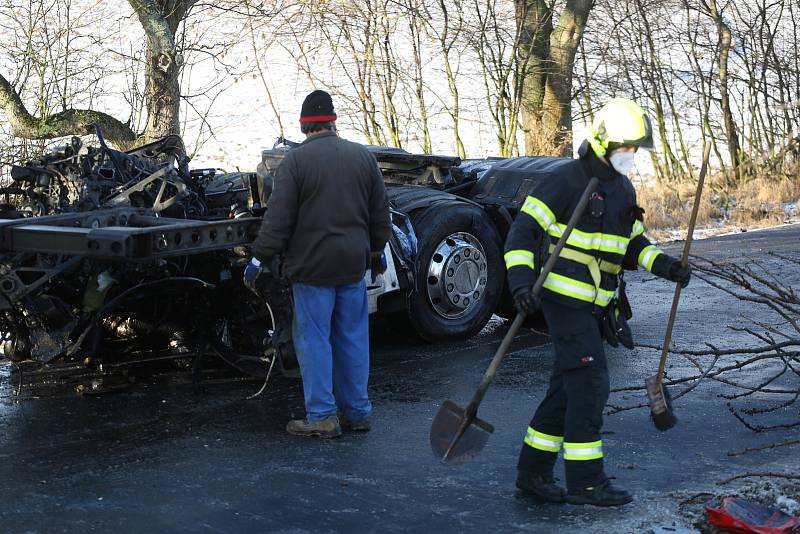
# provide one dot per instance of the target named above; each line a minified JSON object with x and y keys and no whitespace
{"x":111,"y":255}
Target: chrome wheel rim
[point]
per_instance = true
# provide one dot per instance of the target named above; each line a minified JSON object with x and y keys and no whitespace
{"x":457,"y":274}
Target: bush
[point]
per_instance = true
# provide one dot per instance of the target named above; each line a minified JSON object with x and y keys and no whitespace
{"x":758,"y":202}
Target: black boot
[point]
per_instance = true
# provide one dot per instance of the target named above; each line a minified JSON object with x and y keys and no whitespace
{"x":603,"y":494}
{"x":542,"y":487}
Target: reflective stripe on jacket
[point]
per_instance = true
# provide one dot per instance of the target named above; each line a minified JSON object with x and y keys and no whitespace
{"x":613,"y":239}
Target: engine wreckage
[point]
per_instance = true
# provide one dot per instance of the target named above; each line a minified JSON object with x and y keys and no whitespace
{"x":113,"y":254}
{"x":130,"y":255}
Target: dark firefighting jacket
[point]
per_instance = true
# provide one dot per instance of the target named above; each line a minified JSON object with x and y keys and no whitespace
{"x":608,"y":237}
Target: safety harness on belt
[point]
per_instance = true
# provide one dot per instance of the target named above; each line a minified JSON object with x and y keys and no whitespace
{"x":614,"y":322}
{"x":594,"y":265}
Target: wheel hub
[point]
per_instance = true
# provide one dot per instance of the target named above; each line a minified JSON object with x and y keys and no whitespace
{"x":457,"y":275}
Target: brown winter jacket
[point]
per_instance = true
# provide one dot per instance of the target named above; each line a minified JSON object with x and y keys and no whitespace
{"x":327,"y":212}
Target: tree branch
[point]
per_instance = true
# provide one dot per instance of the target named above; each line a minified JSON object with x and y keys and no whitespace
{"x":747,"y":475}
{"x":765,"y":447}
{"x":68,"y":122}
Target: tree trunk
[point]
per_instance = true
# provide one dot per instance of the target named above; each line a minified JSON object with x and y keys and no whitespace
{"x":415,"y":31}
{"x":535,"y":24}
{"x":547,"y":100}
{"x":160,"y":20}
{"x":724,"y":42}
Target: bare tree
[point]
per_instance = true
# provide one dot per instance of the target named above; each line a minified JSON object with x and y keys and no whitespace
{"x":414,"y":9}
{"x":497,"y":42}
{"x":548,"y":48}
{"x":168,"y":53}
{"x":724,"y":44}
{"x":57,"y":70}
{"x":160,"y":21}
{"x":349,"y":33}
{"x":447,"y":29}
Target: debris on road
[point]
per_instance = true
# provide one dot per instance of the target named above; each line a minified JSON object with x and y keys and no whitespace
{"x":760,"y":500}
{"x":762,"y":376}
{"x":740,"y":515}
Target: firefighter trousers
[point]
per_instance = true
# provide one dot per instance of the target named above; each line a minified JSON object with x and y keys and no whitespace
{"x":571,"y":413}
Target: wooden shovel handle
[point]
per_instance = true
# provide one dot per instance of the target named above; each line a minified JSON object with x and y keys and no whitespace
{"x":684,"y":261}
{"x":472,"y":408}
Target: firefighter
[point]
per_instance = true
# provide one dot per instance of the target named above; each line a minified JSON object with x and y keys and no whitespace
{"x":580,"y":296}
{"x":328,"y":218}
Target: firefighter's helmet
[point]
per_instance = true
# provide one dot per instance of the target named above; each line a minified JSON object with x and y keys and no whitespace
{"x":620,"y":122}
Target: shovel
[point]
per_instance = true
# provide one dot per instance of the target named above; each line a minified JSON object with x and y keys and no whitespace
{"x":457,"y":433}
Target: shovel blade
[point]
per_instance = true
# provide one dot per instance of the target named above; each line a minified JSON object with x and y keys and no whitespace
{"x":445,"y":429}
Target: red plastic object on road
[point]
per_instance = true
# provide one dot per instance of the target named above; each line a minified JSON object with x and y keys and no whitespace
{"x":746,"y":517}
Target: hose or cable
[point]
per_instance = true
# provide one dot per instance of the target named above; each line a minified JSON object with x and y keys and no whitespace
{"x":266,"y":380}
{"x":271,"y":316}
{"x":274,"y":356}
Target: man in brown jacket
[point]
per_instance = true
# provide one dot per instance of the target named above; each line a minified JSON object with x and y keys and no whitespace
{"x":328,"y":216}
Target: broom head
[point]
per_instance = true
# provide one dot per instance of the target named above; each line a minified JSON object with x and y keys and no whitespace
{"x":660,"y":405}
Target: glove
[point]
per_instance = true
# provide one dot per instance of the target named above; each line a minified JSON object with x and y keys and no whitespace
{"x":377,"y":264}
{"x":680,"y":274}
{"x":526,"y":302}
{"x":251,"y":273}
{"x":608,"y":325}
{"x":624,"y":333}
{"x":614,"y":326}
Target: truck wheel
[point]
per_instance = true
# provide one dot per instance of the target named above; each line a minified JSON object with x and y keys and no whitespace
{"x":459,"y":271}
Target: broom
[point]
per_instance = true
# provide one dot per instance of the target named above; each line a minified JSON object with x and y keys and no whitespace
{"x":660,"y":400}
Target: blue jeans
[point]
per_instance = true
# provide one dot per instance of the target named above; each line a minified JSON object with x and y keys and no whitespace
{"x":331,"y":339}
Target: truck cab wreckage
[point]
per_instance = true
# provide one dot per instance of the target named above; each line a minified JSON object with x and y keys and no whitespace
{"x":108,"y":255}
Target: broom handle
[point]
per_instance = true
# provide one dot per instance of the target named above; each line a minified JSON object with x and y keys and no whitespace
{"x":472,"y":408}
{"x":684,"y":261}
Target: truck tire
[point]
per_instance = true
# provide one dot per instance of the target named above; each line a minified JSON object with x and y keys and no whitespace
{"x":459,"y":274}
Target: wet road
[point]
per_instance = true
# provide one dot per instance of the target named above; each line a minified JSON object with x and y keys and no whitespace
{"x":188,"y":458}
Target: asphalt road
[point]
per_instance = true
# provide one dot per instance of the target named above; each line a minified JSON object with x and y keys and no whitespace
{"x":189,"y":458}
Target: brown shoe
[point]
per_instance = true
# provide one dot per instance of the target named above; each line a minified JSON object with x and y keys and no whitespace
{"x":327,"y":428}
{"x":356,"y":425}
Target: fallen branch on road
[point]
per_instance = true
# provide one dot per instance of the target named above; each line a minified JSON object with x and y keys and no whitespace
{"x":765,"y":447}
{"x":767,"y":372}
{"x":751,"y":475}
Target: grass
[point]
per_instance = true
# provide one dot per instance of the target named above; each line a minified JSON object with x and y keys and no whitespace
{"x":756,"y":203}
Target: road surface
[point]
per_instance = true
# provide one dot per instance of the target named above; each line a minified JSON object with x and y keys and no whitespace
{"x":203,"y":458}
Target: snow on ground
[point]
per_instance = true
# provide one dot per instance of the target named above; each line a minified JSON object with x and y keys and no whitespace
{"x":726,"y":227}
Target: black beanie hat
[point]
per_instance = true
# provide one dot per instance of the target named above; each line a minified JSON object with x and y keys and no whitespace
{"x":317,"y":107}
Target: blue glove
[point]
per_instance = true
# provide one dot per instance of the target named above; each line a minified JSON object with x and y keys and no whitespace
{"x":377,"y":264}
{"x":251,"y":273}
